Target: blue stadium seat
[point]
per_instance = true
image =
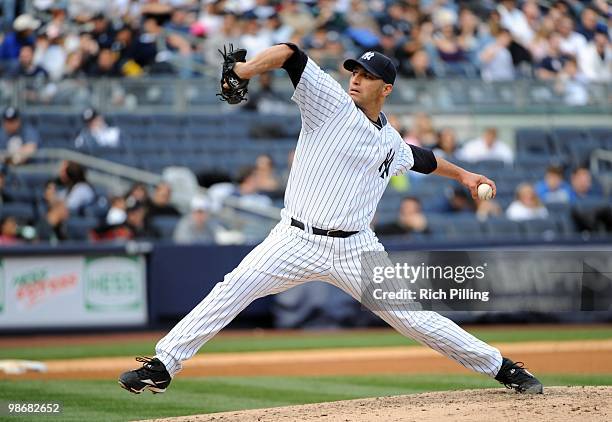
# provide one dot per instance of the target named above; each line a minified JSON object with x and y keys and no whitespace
{"x":465,"y":228}
{"x":545,"y":229}
{"x":503,"y":229}
{"x":569,"y":134}
{"x":602,"y":135}
{"x":22,"y":211}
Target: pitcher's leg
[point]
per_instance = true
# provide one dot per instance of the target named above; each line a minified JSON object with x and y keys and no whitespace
{"x":281,"y":261}
{"x":446,"y":337}
{"x":225,"y":301}
{"x":428,"y":328}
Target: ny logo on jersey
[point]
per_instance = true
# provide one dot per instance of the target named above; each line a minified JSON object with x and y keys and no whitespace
{"x":386,"y":165}
{"x":367,"y":56}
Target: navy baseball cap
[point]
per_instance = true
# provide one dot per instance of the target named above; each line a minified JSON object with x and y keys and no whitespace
{"x":10,"y":113}
{"x":375,"y":63}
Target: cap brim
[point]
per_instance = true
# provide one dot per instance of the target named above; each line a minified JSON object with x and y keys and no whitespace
{"x":351,"y":64}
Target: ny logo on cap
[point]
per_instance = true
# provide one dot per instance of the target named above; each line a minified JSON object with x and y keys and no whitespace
{"x":367,"y":56}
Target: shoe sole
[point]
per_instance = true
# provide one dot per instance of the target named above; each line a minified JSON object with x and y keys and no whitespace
{"x":153,"y":390}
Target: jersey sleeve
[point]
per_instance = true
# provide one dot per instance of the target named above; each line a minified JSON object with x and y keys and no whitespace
{"x":415,"y":158}
{"x":405,"y":159}
{"x":318,"y":96}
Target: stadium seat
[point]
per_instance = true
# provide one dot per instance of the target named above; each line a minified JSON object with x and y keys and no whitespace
{"x":545,"y":229}
{"x":22,"y":211}
{"x":500,"y":228}
{"x":602,"y":135}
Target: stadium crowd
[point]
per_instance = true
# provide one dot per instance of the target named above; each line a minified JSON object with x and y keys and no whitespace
{"x":69,"y":197}
{"x":566,"y":41}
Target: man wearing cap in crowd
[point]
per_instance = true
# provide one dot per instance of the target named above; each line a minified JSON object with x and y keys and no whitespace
{"x":96,"y":133}
{"x":196,"y":227}
{"x":23,"y":30}
{"x":18,"y":141}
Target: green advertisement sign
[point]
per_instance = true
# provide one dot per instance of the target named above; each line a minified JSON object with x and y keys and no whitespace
{"x":114,"y":283}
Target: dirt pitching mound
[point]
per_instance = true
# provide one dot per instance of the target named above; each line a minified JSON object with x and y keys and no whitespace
{"x":557,"y":404}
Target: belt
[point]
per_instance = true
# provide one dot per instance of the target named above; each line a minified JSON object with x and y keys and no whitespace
{"x":321,"y":232}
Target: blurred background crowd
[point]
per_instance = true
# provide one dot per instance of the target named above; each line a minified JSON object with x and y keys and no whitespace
{"x":547,"y":186}
{"x":568,"y":40}
{"x":552,"y":194}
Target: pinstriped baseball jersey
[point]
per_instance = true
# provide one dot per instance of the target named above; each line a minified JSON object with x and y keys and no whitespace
{"x":342,"y":162}
{"x":342,"y":165}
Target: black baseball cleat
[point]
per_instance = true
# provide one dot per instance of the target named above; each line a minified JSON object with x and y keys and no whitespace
{"x":152,"y":376}
{"x":514,"y":375}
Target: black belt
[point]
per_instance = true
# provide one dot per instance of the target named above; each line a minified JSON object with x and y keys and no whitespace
{"x":321,"y":232}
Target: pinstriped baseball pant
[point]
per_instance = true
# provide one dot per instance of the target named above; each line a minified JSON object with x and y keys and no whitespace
{"x":290,"y":256}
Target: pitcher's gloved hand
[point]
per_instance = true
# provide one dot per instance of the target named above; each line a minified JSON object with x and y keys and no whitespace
{"x":233,"y":88}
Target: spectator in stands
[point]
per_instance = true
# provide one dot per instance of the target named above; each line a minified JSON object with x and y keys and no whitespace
{"x":581,"y":184}
{"x":106,"y":65}
{"x":160,"y":202}
{"x":554,"y":60}
{"x":421,"y":131}
{"x":50,"y":193}
{"x":18,"y":141}
{"x":459,"y":201}
{"x":591,"y":218}
{"x":253,"y":38}
{"x":53,"y":227}
{"x":103,"y":32}
{"x":195,"y":227}
{"x":147,"y":53}
{"x":447,"y":43}
{"x":75,"y":189}
{"x":595,"y":60}
{"x":50,"y":52}
{"x":486,"y":209}
{"x":139,"y":192}
{"x":266,"y":100}
{"x":116,"y":213}
{"x":22,"y":34}
{"x":496,"y":60}
{"x":268,"y":180}
{"x":527,"y":205}
{"x":5,"y":197}
{"x":137,"y":222}
{"x":571,"y":41}
{"x":471,"y":37}
{"x":74,"y":68}
{"x":419,"y":66}
{"x":26,"y":67}
{"x":553,"y":188}
{"x":572,"y":85}
{"x":447,"y":144}
{"x":410,"y":219}
{"x":246,"y":191}
{"x":515,"y":20}
{"x":486,"y":147}
{"x":589,"y":24}
{"x":9,"y":231}
{"x":96,"y":133}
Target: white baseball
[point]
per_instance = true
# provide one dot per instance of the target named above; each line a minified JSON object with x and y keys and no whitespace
{"x":485,"y":191}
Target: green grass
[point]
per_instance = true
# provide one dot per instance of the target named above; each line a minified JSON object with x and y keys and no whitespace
{"x":344,"y":339}
{"x":94,"y":400}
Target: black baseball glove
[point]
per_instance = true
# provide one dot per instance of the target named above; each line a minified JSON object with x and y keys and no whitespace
{"x":233,"y":88}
